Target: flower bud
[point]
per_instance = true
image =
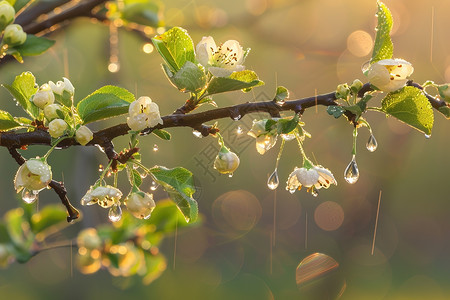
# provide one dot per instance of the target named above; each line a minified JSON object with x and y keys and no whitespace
{"x":57,"y":127}
{"x":62,"y":86}
{"x":84,"y":135}
{"x":14,"y":35}
{"x":50,"y":111}
{"x":143,"y":113}
{"x":43,"y":97}
{"x":7,"y":14}
{"x":342,"y":91}
{"x":356,"y":86}
{"x":89,"y":239}
{"x":140,"y":204}
{"x":226,"y":161}
{"x":33,"y":175}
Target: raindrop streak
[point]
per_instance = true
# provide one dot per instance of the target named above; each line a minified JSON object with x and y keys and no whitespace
{"x":115,"y":213}
{"x":154,"y":186}
{"x":239,"y":130}
{"x":372,"y":144}
{"x":197,"y":133}
{"x":273,"y":180}
{"x":29,"y":196}
{"x":427,"y":136}
{"x":155,"y":148}
{"x":351,"y":173}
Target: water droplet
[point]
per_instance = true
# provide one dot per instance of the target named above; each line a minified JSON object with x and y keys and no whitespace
{"x":273,"y":181}
{"x":197,"y":133}
{"x":29,"y":196}
{"x":292,"y":191}
{"x":230,"y":175}
{"x":115,"y":213}
{"x":372,"y":144}
{"x":365,"y":67}
{"x":351,"y":173}
{"x":100,"y":168}
{"x":143,"y":175}
{"x":314,"y":193}
{"x":427,"y":136}
{"x":280,"y":102}
{"x":17,"y":103}
{"x":239,"y":130}
{"x":154,"y":186}
{"x":288,"y":137}
{"x":155,"y":148}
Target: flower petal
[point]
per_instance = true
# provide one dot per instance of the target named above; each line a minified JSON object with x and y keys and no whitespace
{"x":205,"y":50}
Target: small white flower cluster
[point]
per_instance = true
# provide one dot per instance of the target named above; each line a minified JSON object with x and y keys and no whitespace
{"x":138,"y":203}
{"x":315,"y":177}
{"x":223,"y":60}
{"x":264,"y":139}
{"x":390,"y":75}
{"x":143,"y":113}
{"x":13,"y":34}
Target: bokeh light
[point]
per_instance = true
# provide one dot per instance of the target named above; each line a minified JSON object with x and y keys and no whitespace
{"x":329,"y":215}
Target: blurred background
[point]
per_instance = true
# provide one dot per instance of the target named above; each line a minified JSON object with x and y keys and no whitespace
{"x":252,"y":239}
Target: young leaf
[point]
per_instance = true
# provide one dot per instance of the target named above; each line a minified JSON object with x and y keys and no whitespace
{"x":7,"y":121}
{"x":134,"y":177}
{"x":106,"y":102}
{"x":242,"y":80}
{"x":34,"y":45}
{"x":179,"y":184}
{"x":281,"y":94}
{"x":166,"y":217}
{"x":22,"y":88}
{"x":190,"y":78}
{"x":287,"y":126}
{"x":162,"y":134}
{"x":176,"y":47}
{"x":410,"y":106}
{"x":48,"y":217}
{"x":383,"y":48}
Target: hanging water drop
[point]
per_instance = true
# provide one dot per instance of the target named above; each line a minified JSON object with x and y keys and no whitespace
{"x":153,"y":186}
{"x":427,"y":136}
{"x":237,"y":117}
{"x":155,"y":148}
{"x":197,"y":133}
{"x":351,"y":173}
{"x":287,"y":137}
{"x":273,"y":181}
{"x":29,"y":196}
{"x":372,"y":144}
{"x":239,"y":130}
{"x":314,"y":193}
{"x":230,"y":175}
{"x":115,"y":213}
{"x":292,"y":191}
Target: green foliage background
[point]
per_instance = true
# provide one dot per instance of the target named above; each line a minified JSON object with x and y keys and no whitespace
{"x":301,"y":45}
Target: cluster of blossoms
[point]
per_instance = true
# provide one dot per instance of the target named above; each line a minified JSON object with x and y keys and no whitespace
{"x":138,"y":203}
{"x":13,"y":34}
{"x":143,"y":113}
{"x":390,"y":75}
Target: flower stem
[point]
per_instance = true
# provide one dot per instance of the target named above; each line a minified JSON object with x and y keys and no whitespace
{"x":279,"y":153}
{"x":102,"y":176}
{"x":355,"y":134}
{"x":54,"y":146}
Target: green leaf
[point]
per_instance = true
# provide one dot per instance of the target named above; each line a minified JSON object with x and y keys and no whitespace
{"x":335,"y":111}
{"x":270,"y":124}
{"x":287,"y":125}
{"x":282,"y":94}
{"x":18,"y":229}
{"x":23,"y":87}
{"x":176,"y":47}
{"x":383,"y":47}
{"x":142,"y":12}
{"x":51,"y":216}
{"x":410,"y":106}
{"x":106,"y":102}
{"x":242,"y":80}
{"x":445,"y":110}
{"x":179,"y":184}
{"x":7,"y":121}
{"x":162,"y":134}
{"x":34,"y":45}
{"x":134,"y":177}
{"x":19,"y":4}
{"x":166,"y":217}
{"x":14,"y":53}
{"x":190,"y":78}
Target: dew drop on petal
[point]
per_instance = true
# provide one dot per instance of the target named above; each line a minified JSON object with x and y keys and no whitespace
{"x":29,"y":196}
{"x":155,"y":148}
{"x":273,"y":181}
{"x":197,"y":133}
{"x":153,"y":186}
{"x":372,"y":144}
{"x":351,"y":173}
{"x":115,"y":213}
{"x":365,"y":67}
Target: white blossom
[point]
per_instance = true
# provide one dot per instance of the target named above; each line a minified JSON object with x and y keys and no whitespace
{"x":57,"y":127}
{"x":317,"y":176}
{"x":33,"y":175}
{"x":105,"y":196}
{"x":390,"y":75}
{"x":14,"y":35}
{"x":62,"y":86}
{"x":265,"y":140}
{"x":50,"y":111}
{"x":83,"y":135}
{"x":226,"y":162}
{"x":43,"y":97}
{"x":140,"y":204}
{"x":223,"y":60}
{"x":143,"y":113}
